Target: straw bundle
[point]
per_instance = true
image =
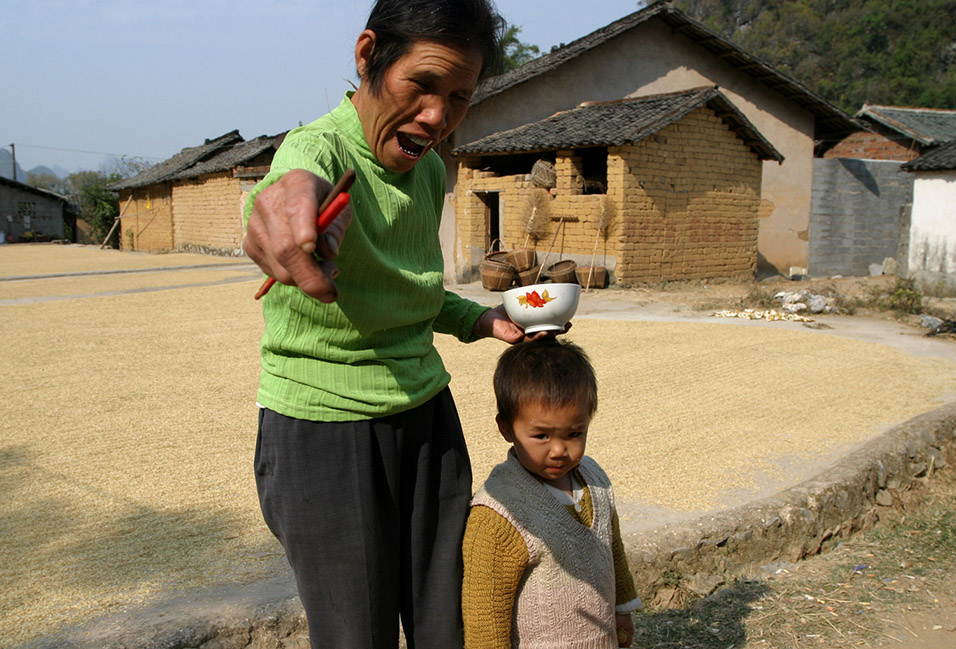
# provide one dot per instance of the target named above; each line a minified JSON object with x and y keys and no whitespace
{"x":602,"y":226}
{"x":537,"y":216}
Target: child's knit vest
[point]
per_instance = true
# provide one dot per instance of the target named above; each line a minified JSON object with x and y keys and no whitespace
{"x":566,"y":598}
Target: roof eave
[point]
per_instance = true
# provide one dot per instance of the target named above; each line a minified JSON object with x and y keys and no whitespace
{"x":830,"y":121}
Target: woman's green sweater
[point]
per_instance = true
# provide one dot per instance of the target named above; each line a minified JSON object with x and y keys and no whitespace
{"x":371,"y":352}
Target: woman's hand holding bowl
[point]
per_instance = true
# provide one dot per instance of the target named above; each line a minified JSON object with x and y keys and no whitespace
{"x":495,"y":323}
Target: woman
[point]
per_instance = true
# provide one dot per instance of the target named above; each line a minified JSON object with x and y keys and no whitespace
{"x":361,"y":465}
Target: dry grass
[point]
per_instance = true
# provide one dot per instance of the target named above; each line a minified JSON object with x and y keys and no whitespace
{"x":893,"y":586}
{"x":129,"y":423}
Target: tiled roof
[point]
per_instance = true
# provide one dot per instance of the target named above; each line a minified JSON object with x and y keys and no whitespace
{"x":227,"y":158}
{"x":165,"y":171}
{"x":928,"y":126}
{"x":831,"y":122}
{"x":940,"y":158}
{"x":613,"y":123}
{"x":16,"y":184}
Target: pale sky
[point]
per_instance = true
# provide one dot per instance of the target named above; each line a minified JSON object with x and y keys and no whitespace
{"x":146,"y":79}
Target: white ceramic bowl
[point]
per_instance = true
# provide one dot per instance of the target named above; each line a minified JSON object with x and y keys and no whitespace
{"x":542,"y":307}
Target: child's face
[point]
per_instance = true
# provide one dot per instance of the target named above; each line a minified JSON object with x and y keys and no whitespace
{"x":549,"y":441}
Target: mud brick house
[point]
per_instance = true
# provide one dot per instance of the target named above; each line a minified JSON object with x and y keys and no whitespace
{"x":193,"y":200}
{"x":29,"y":213}
{"x":931,"y":257}
{"x":680,"y":173}
{"x":658,"y":50}
{"x":896,"y":133}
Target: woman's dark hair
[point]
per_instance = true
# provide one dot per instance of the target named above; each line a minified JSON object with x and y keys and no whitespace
{"x":548,"y":372}
{"x":398,"y":24}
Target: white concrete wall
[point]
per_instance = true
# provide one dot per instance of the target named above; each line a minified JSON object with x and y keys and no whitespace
{"x":932,"y":258}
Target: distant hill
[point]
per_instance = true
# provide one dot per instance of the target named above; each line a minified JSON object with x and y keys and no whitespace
{"x":6,"y":170}
{"x":851,"y":52}
{"x":43,"y":170}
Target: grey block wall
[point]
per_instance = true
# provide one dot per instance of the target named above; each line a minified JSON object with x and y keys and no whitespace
{"x":855,"y":215}
{"x":22,"y":210}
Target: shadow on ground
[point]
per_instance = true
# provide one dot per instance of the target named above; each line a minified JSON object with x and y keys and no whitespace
{"x":111,"y":566}
{"x":716,"y":622}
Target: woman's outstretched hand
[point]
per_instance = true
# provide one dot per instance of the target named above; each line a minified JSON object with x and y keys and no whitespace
{"x":282,"y":235}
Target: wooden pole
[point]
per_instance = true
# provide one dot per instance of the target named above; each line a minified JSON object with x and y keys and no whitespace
{"x":548,"y":254}
{"x":116,"y":222}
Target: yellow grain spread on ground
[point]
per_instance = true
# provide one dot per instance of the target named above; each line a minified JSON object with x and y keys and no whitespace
{"x":128,"y":423}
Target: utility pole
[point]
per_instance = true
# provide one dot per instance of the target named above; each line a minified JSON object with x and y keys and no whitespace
{"x":13,"y":150}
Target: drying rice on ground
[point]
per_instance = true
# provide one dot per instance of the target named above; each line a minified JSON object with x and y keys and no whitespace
{"x":128,"y":428}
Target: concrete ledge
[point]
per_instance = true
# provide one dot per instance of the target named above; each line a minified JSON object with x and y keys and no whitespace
{"x":263,"y":615}
{"x":700,"y":555}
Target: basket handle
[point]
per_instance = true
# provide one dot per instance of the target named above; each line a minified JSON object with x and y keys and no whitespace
{"x":501,"y":246}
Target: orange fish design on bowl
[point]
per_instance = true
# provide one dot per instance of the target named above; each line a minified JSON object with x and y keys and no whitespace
{"x":534,"y":300}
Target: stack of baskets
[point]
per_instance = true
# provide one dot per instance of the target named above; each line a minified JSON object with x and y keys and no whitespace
{"x":523,"y":260}
{"x":501,"y":268}
{"x":497,"y":274}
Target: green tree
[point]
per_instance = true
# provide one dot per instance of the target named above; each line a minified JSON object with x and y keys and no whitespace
{"x":98,"y":205}
{"x":514,"y":53}
{"x":48,"y":182}
{"x":851,"y":52}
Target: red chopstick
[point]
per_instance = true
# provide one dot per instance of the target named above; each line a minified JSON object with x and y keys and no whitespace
{"x":331,"y":207}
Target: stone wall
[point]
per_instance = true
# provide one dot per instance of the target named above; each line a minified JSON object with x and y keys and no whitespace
{"x":797,"y":523}
{"x":207,"y":213}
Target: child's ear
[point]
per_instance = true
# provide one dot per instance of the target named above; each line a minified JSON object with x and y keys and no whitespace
{"x":504,"y":428}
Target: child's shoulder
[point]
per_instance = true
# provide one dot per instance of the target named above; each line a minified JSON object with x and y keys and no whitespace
{"x":592,"y":472}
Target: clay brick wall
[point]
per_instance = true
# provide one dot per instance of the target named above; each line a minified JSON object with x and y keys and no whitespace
{"x":684,"y":205}
{"x":580,"y":213}
{"x":873,"y":146}
{"x":207,"y":213}
{"x":689,"y":196}
{"x":147,"y":222}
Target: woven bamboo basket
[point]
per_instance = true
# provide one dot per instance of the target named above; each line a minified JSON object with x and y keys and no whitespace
{"x":496,"y":252}
{"x":521,"y":258}
{"x":561,"y":272}
{"x":543,"y":174}
{"x":597,"y":275}
{"x":529,"y":276}
{"x":496,"y":276}
{"x":500,"y":257}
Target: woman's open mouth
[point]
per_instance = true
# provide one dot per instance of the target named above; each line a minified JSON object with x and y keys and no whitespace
{"x":412,"y":145}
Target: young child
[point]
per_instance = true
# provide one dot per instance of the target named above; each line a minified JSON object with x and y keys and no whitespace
{"x":543,"y":557}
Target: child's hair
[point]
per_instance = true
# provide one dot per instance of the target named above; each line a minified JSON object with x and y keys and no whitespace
{"x":547,"y":371}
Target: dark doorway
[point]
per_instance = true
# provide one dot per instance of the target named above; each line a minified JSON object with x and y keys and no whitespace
{"x":492,"y":217}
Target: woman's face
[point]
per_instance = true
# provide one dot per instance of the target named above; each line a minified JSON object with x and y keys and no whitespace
{"x":423,"y":97}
